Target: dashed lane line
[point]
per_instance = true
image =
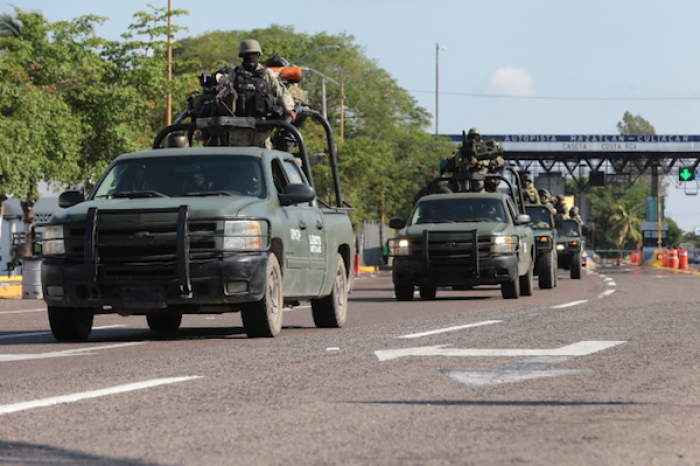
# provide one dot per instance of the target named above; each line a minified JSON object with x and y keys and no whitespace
{"x":572,"y":303}
{"x":33,"y":334}
{"x":449,"y":329}
{"x":56,"y":400}
{"x":24,"y":311}
{"x":62,"y":354}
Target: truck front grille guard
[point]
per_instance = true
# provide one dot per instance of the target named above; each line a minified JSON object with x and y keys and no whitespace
{"x":182,"y":245}
{"x":440,"y":241}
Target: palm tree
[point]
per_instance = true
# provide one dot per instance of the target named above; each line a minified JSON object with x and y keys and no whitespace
{"x":627,"y":220}
{"x":11,"y":26}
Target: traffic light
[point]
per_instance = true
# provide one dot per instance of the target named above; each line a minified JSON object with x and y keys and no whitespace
{"x":685,"y":174}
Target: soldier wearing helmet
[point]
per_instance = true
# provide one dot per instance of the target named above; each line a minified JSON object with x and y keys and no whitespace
{"x":257,"y":93}
{"x":560,"y":205}
{"x":573,"y":214}
{"x":546,"y":199}
{"x":529,"y":191}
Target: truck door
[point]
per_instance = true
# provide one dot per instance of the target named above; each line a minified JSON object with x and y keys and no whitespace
{"x":304,"y":275}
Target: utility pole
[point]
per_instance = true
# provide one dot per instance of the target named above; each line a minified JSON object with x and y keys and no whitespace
{"x":437,"y":86}
{"x":169,"y":107}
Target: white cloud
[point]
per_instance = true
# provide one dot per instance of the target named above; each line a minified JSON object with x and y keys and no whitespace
{"x":511,"y":81}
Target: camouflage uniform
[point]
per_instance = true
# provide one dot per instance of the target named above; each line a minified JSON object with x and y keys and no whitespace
{"x":573,"y":214}
{"x":476,"y":156}
{"x":561,"y":206}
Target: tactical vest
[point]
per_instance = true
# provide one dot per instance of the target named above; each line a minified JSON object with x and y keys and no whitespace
{"x":255,"y":97}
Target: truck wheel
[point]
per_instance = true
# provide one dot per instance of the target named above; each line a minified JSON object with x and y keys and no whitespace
{"x":403,"y":292}
{"x":164,"y":323}
{"x":576,"y":266}
{"x":70,"y":323}
{"x":526,"y":283}
{"x":264,"y":318}
{"x":546,"y":273}
{"x":427,"y":292}
{"x":511,"y":289}
{"x":331,"y":311}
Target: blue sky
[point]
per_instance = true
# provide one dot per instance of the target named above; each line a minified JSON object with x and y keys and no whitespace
{"x":569,"y":67}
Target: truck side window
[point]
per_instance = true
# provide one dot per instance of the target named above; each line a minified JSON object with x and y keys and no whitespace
{"x":279,"y":179}
{"x":293,"y":172}
{"x":511,"y":210}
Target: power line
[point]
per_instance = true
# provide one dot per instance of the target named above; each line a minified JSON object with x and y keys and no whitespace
{"x":534,"y":97}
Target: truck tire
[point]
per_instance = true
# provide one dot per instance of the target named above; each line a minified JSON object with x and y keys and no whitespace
{"x":164,"y":323}
{"x":264,"y":318}
{"x":511,"y":289}
{"x":427,"y":292}
{"x":70,"y":323}
{"x":526,"y":282}
{"x":331,"y":311}
{"x":576,"y":266}
{"x":546,"y":272}
{"x":403,"y":292}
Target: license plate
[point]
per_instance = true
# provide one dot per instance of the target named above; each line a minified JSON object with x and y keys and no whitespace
{"x":142,"y":297}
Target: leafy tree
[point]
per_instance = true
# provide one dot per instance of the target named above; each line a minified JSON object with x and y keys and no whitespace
{"x":674,"y":235}
{"x":634,"y":124}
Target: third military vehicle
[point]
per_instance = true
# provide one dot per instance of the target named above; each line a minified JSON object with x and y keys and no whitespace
{"x":569,"y":247}
{"x":543,"y":225}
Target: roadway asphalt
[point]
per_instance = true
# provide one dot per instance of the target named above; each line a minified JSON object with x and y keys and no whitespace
{"x":602,"y":370}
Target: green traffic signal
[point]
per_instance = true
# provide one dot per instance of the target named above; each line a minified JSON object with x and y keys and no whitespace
{"x":685,"y":174}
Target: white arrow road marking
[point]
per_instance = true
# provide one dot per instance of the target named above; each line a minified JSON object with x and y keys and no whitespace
{"x":62,"y":354}
{"x":517,"y":372}
{"x":572,"y":303}
{"x":13,"y":408}
{"x":581,"y":348}
{"x":450,"y":329}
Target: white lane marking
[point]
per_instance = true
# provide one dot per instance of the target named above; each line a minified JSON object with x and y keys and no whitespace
{"x":450,"y":329}
{"x":611,"y":283}
{"x":581,"y":348}
{"x":33,"y":334}
{"x":606,"y":293}
{"x":572,"y":303}
{"x":16,"y":407}
{"x":25,"y":311}
{"x":62,"y":354}
{"x":290,"y":309}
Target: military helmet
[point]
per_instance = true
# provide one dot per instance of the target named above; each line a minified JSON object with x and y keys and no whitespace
{"x":561,"y":198}
{"x":474,"y":133}
{"x":573,"y":212}
{"x":177,"y":140}
{"x":543,"y":192}
{"x":526,"y":177}
{"x":249,"y":46}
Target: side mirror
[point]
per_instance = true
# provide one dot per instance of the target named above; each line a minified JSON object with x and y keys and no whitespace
{"x":523,"y":219}
{"x":397,"y":223}
{"x":297,"y":193}
{"x":70,"y":198}
{"x":558,"y":221}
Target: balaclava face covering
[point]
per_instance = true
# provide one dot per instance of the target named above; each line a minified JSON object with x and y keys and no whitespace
{"x":250,"y":61}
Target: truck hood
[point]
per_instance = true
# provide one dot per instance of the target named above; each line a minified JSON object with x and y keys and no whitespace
{"x":200,"y":207}
{"x":483,"y":228}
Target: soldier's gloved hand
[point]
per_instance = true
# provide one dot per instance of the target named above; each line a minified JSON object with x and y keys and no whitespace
{"x":291,"y":114}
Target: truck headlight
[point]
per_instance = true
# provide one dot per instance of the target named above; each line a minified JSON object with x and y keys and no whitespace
{"x":560,"y":247}
{"x":400,"y":247}
{"x":504,"y":243}
{"x":244,"y":235}
{"x":52,"y":241}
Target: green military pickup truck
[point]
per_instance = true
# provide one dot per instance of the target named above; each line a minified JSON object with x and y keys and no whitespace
{"x":200,"y":230}
{"x":569,"y":248}
{"x":464,"y":240}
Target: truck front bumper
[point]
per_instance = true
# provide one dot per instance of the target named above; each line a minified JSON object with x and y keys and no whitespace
{"x":229,"y":280}
{"x":491,"y":271}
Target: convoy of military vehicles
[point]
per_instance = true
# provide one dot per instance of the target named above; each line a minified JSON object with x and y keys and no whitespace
{"x":219,"y":228}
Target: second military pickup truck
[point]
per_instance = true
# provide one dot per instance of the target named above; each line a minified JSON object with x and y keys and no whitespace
{"x":464,"y":240}
{"x":200,"y":230}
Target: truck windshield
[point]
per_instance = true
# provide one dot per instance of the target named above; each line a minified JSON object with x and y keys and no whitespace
{"x":569,"y":228}
{"x":459,"y":210}
{"x":199,"y":175}
{"x":540,"y":217}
